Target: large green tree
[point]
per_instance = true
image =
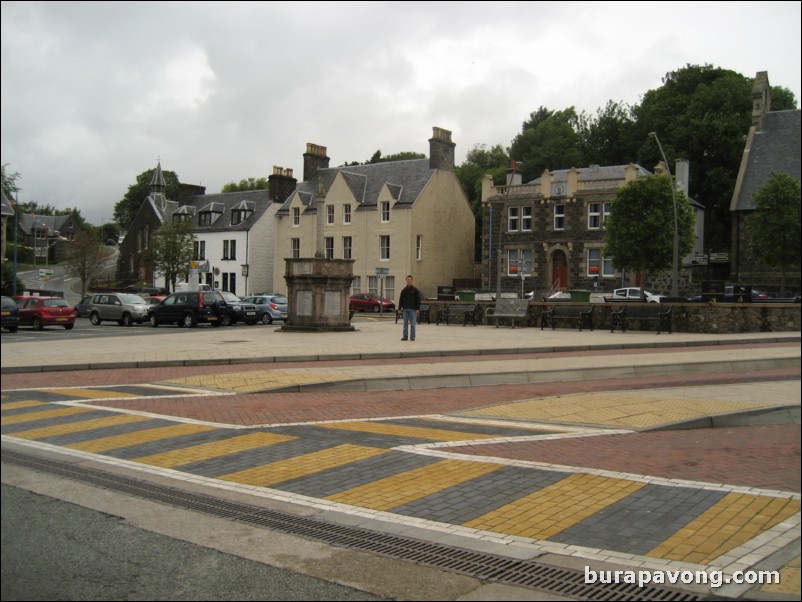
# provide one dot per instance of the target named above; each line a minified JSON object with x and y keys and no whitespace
{"x":171,"y":250}
{"x":608,"y":137}
{"x":774,"y":227}
{"x":126,"y":208}
{"x":247,"y":184}
{"x":9,"y":181}
{"x":702,"y":114}
{"x":549,"y":140}
{"x":639,"y":233}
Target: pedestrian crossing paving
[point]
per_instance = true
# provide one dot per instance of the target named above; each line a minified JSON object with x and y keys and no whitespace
{"x":346,"y":463}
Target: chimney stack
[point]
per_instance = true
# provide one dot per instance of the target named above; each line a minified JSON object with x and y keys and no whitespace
{"x":441,"y":150}
{"x":314,"y":158}
{"x":281,"y":183}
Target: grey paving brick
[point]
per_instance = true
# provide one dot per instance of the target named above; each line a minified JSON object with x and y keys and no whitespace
{"x":10,"y":429}
{"x":109,"y":431}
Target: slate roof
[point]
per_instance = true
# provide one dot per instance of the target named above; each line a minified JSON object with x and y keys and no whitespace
{"x":224,"y":202}
{"x":775,"y":148}
{"x":51,"y":222}
{"x":405,"y":179}
{"x":595,"y":172}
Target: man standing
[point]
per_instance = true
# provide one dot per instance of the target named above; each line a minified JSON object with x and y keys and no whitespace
{"x":409,"y":305}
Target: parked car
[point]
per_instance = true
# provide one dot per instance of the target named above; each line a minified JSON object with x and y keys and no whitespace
{"x":123,"y":308}
{"x":239,"y":310}
{"x":634,"y":293}
{"x":145,"y":290}
{"x":10,"y":314}
{"x":39,"y":312}
{"x":369,"y":302}
{"x":154,"y":299}
{"x":83,"y":307}
{"x":269,"y":306}
{"x":190,"y":309}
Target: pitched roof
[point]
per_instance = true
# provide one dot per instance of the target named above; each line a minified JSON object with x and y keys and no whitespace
{"x":595,"y":172}
{"x":405,"y":179}
{"x":775,"y":148}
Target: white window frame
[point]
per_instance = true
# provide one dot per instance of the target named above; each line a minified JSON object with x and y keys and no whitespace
{"x":295,"y":248}
{"x":559,"y":216}
{"x":418,"y":247}
{"x":296,"y":217}
{"x":595,"y":259}
{"x":356,"y":284}
{"x":330,"y":215}
{"x":347,"y":213}
{"x":385,"y":211}
{"x":514,"y":257}
{"x":329,"y":244}
{"x":512,"y":219}
{"x":384,"y":247}
{"x":348,"y":246}
{"x":526,"y":219}
{"x":389,"y":287}
{"x":594,"y":216}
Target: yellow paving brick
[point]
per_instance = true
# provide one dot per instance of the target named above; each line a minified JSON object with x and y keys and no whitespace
{"x":552,"y":509}
{"x":414,"y":484}
{"x":90,"y":393}
{"x":28,"y":403}
{"x":77,"y":427}
{"x":155,"y":434}
{"x":299,"y":466}
{"x":400,"y":430}
{"x":762,"y":512}
{"x":259,"y":380}
{"x":33,"y":416}
{"x":214,"y":449}
{"x":789,"y":581}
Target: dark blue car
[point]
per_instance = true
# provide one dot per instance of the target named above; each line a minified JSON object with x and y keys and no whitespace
{"x":10,"y":313}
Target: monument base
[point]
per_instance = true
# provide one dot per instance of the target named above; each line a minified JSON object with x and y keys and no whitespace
{"x":317,"y":290}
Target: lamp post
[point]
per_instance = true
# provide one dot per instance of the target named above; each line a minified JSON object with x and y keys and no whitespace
{"x":675,"y":265}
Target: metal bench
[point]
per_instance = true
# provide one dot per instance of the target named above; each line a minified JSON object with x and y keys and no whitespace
{"x":651,"y":312}
{"x":423,"y":316}
{"x":509,"y":308}
{"x":583,"y":314}
{"x":466,"y":311}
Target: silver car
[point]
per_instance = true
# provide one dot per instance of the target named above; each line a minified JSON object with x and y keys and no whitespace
{"x":123,"y":308}
{"x":270,"y":307}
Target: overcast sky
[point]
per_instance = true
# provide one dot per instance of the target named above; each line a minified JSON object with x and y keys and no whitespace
{"x":95,"y":93}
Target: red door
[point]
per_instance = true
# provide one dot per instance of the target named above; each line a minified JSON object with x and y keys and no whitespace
{"x":559,"y":269}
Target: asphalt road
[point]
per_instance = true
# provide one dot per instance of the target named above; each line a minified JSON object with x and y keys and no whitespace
{"x":53,"y":550}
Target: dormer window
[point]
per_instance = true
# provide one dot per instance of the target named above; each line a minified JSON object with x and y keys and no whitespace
{"x":205,"y":218}
{"x":239,"y":215}
{"x":210,"y":214}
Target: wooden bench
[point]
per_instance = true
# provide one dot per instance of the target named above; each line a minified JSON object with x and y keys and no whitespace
{"x":583,"y":314}
{"x":466,"y":311}
{"x":423,"y":316}
{"x":648,"y":312}
{"x":509,"y":308}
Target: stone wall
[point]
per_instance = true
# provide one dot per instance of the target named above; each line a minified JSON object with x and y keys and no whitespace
{"x":713,"y":318}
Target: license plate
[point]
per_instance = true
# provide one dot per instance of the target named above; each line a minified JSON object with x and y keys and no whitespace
{"x":250,"y":313}
{"x":283,"y":315}
{"x":212,"y":318}
{"x":6,"y":313}
{"x":62,"y":319}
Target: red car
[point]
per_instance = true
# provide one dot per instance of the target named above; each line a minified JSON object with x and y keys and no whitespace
{"x":370,"y":302}
{"x":39,"y":312}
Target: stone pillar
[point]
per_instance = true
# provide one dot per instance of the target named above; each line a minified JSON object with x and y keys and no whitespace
{"x":317,"y":290}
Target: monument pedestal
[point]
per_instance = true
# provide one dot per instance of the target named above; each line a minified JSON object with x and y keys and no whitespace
{"x":318,"y":290}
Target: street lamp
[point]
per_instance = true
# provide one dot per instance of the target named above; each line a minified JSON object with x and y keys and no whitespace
{"x":675,"y":265}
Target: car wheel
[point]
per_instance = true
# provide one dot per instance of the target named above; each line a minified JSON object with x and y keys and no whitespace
{"x":37,"y":324}
{"x":267,"y":319}
{"x":153,"y":321}
{"x":190,"y":321}
{"x":376,"y":309}
{"x":127,"y":320}
{"x":226,"y":320}
{"x":95,"y":318}
{"x":68,"y":326}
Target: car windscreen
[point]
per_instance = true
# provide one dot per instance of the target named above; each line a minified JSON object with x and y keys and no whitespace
{"x":132,"y":299}
{"x":280,"y":300}
{"x":55,"y":303}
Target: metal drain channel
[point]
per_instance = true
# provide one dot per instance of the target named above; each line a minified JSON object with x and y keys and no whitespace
{"x":479,"y":565}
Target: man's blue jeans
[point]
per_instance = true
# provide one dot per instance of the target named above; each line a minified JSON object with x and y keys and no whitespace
{"x":410,"y":318}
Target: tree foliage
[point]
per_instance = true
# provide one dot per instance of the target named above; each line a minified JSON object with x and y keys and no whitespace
{"x":9,"y":181}
{"x":549,"y":140}
{"x":126,"y":208}
{"x":639,"y":233}
{"x":171,"y":250}
{"x":608,"y":138}
{"x":247,"y":184}
{"x":774,"y":227}
{"x":85,"y":257}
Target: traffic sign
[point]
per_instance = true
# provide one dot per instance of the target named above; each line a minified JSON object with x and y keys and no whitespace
{"x":46,"y":272}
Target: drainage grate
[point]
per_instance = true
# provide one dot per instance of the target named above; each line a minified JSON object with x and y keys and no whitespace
{"x":479,"y":565}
